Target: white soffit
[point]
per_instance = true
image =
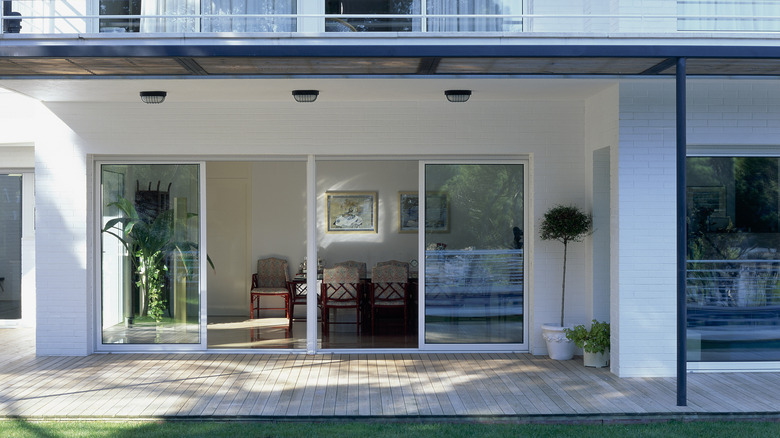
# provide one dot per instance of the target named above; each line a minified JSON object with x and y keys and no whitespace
{"x":342,"y":89}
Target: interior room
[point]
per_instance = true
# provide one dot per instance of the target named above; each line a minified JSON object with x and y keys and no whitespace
{"x":257,"y":210}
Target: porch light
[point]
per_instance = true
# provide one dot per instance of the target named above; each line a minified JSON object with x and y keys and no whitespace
{"x":457,"y":95}
{"x":153,"y":96}
{"x":305,"y":95}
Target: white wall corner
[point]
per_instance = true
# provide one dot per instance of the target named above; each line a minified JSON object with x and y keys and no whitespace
{"x":64,"y":304}
{"x":645,"y":305}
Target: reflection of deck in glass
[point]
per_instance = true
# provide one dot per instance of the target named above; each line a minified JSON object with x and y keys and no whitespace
{"x":733,"y":310}
{"x":474,"y":296}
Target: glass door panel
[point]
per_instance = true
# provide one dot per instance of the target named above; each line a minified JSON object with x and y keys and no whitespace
{"x":474,"y":222}
{"x":150,"y":256}
{"x":10,"y":246}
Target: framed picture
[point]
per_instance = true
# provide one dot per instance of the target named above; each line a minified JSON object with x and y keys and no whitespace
{"x":409,"y":212}
{"x":352,"y":212}
{"x":709,"y":198}
{"x":437,"y":212}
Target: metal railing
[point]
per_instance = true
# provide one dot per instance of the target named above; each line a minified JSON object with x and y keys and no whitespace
{"x":61,"y":17}
{"x":474,"y":283}
{"x":733,"y":283}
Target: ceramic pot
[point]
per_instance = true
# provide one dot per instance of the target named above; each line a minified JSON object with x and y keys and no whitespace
{"x":558,"y":347}
{"x":596,"y":360}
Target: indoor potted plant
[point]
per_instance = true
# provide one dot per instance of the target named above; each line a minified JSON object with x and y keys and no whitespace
{"x":564,"y":223}
{"x":594,"y":342}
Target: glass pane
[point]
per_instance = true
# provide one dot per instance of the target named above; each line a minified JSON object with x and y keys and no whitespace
{"x":370,"y":8}
{"x":10,"y":246}
{"x":120,"y":7}
{"x":474,"y":253}
{"x":250,"y":24}
{"x":150,"y":256}
{"x":367,"y":281}
{"x":728,"y":15}
{"x":441,"y":16}
{"x":733,"y":280}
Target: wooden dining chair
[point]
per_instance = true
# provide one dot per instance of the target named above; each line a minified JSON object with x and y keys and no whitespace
{"x":389,"y":289}
{"x":405,"y":265}
{"x":340,"y":290}
{"x":270,"y":280}
{"x":360,"y":266}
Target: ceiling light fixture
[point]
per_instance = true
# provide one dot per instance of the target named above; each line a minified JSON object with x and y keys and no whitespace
{"x":457,"y":95}
{"x":305,"y":95}
{"x":153,"y":96}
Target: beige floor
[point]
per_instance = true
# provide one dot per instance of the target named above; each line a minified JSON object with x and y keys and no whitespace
{"x":272,"y":333}
{"x":507,"y":387}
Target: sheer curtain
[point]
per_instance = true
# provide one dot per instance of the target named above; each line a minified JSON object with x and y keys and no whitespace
{"x":758,"y":10}
{"x":466,"y":7}
{"x":176,"y":8}
{"x":250,"y":24}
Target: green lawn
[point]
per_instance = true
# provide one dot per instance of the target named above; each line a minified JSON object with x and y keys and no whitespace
{"x":236,"y":429}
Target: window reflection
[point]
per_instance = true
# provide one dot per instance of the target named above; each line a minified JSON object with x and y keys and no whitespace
{"x":733,"y":281}
{"x":150,"y":256}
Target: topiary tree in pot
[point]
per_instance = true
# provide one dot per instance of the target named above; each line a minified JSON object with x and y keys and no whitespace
{"x":564,"y":223}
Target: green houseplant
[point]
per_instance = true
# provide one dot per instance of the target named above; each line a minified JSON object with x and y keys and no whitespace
{"x":564,"y":223}
{"x":149,"y":240}
{"x":594,"y":342}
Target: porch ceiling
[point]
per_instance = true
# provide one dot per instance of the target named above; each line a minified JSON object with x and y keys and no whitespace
{"x":69,"y":61}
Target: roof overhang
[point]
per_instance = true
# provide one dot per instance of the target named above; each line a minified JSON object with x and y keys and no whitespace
{"x":71,"y":58}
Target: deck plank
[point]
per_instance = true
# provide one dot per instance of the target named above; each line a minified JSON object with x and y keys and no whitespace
{"x":348,"y":385}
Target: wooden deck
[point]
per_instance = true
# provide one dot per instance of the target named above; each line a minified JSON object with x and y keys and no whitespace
{"x":510,"y":387}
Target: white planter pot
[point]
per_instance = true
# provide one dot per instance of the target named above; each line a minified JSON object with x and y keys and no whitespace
{"x":596,"y":360}
{"x":558,"y":347}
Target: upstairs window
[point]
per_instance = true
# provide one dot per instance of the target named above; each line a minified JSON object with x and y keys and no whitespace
{"x":198,"y":15}
{"x":729,"y":15}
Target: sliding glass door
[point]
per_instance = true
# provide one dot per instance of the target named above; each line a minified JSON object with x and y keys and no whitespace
{"x":10,"y":246}
{"x":474,"y":216}
{"x":150,"y":253}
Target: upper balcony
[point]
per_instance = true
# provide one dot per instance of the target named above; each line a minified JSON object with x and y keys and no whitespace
{"x":152,"y":38}
{"x":465,"y":18}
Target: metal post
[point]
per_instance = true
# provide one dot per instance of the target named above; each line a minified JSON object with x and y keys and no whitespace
{"x":682,"y":314}
{"x":9,"y":25}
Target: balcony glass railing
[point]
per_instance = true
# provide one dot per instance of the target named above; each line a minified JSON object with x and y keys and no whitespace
{"x":733,"y":310}
{"x":431,"y":16}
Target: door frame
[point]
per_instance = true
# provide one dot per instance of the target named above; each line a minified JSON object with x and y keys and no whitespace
{"x":96,"y":206}
{"x":527,"y":255}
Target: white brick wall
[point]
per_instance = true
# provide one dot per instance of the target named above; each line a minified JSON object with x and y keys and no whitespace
{"x":723,"y":114}
{"x":64,"y":304}
{"x":645,"y":302}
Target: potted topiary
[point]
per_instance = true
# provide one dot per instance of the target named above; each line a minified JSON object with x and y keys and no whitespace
{"x":594,"y":342}
{"x":564,"y":223}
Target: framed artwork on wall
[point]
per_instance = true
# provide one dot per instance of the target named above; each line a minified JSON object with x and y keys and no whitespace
{"x":409,"y":212}
{"x":351,"y":212}
{"x":437,"y":212}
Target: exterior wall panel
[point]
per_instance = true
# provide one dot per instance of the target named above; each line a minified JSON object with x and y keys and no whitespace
{"x":646,"y":304}
{"x":64,"y":301}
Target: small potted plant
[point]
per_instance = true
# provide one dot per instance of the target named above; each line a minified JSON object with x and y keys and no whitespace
{"x":564,"y":223}
{"x":594,"y":342}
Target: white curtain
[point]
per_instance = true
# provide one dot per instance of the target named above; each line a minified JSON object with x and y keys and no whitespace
{"x":249,"y":24}
{"x":727,"y":9}
{"x":467,"y":7}
{"x":177,"y":8}
{"x":174,"y":9}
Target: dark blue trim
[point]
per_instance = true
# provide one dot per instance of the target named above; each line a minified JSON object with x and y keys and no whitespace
{"x":91,"y":49}
{"x":682,"y":316}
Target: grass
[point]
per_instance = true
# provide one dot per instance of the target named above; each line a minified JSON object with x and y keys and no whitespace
{"x":233,"y":429}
